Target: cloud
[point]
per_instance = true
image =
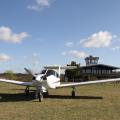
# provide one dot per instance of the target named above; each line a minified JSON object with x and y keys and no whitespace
{"x":35,"y":59}
{"x":32,"y":59}
{"x":115,"y":36}
{"x":97,"y":40}
{"x":35,"y":62}
{"x":116,"y":48}
{"x":4,"y":57}
{"x":75,"y":53}
{"x":40,"y":5}
{"x":35,"y":54}
{"x":7,"y":35}
{"x":69,"y":44}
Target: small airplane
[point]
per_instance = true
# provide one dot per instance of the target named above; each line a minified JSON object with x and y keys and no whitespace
{"x":49,"y":78}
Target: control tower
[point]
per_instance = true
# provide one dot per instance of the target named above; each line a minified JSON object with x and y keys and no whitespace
{"x":91,"y":60}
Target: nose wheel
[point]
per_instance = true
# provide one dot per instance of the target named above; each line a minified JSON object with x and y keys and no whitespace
{"x":39,"y":94}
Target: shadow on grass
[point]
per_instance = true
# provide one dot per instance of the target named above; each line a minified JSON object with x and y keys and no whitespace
{"x":22,"y":89}
{"x":76,"y":97}
{"x":4,"y":97}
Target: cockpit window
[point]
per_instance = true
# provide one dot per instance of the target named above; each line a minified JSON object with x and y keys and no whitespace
{"x":43,"y":71}
{"x":52,"y":72}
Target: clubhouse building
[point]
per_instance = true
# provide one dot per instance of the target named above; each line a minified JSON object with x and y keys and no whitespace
{"x":93,"y":70}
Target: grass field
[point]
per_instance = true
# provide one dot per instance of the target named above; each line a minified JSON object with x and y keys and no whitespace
{"x":94,"y":102}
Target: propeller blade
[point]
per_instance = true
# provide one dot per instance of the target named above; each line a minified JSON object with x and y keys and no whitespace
{"x":29,"y":71}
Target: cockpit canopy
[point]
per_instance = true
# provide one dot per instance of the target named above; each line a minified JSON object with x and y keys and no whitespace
{"x":49,"y":72}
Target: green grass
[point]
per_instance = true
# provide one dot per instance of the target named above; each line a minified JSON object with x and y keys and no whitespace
{"x":94,"y":102}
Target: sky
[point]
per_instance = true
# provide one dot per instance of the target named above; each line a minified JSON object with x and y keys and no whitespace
{"x":36,"y":33}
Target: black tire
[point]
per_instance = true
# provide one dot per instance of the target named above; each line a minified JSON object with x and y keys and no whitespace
{"x":73,"y":94}
{"x":27,"y":91}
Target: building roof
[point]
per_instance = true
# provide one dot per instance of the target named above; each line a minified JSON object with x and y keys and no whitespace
{"x":91,"y":58}
{"x":101,"y":66}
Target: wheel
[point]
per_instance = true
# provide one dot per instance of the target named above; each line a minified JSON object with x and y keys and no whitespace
{"x":73,"y":94}
{"x":27,"y":91}
{"x":40,"y":96}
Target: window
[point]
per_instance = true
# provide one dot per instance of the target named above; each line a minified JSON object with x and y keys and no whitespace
{"x":52,"y":72}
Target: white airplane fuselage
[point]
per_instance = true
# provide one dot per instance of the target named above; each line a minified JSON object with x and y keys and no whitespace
{"x":48,"y":82}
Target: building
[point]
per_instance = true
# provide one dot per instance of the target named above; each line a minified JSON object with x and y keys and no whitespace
{"x":93,"y":71}
{"x":96,"y":70}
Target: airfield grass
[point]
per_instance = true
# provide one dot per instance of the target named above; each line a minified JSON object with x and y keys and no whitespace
{"x":93,"y":102}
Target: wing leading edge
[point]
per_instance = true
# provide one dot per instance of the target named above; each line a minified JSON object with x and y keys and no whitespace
{"x":17,"y":82}
{"x":87,"y":83}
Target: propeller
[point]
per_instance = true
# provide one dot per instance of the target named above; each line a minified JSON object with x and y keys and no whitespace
{"x":29,"y":72}
{"x":39,"y":91}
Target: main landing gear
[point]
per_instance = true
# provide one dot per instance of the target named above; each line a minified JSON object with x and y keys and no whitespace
{"x":27,"y":91}
{"x":73,"y":92}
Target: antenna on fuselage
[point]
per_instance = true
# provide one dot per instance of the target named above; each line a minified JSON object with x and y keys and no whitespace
{"x":59,"y":70}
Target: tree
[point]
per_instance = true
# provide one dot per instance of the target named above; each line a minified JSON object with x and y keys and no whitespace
{"x":72,"y":73}
{"x":10,"y":75}
{"x":73,"y":63}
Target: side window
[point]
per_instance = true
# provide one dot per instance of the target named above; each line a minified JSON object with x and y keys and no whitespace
{"x":50,"y":72}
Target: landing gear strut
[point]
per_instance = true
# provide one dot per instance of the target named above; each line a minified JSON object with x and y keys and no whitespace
{"x":73,"y":92}
{"x":27,"y":91}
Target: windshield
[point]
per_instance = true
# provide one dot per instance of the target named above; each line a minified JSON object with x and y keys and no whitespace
{"x":52,"y":72}
{"x":43,"y":71}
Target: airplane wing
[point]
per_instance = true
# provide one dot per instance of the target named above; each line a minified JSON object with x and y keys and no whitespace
{"x":87,"y":83}
{"x":17,"y":82}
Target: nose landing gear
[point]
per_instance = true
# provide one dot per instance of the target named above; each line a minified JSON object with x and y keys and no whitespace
{"x":40,"y":95}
